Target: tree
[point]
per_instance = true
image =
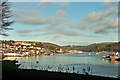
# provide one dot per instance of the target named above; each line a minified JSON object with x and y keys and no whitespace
{"x":5,"y":20}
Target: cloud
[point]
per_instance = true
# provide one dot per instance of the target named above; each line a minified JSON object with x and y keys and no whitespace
{"x":96,"y":22}
{"x":55,"y":37}
{"x":106,"y":3}
{"x":99,"y":22}
{"x":64,"y":4}
{"x":25,"y":12}
{"x":98,"y":19}
{"x":101,"y":30}
{"x":24,"y":31}
{"x":93,"y":16}
{"x":111,"y":11}
{"x":27,"y":35}
{"x":61,"y":5}
{"x":112,"y":23}
{"x":60,"y":13}
{"x":51,"y":30}
{"x":102,"y":22}
{"x":69,"y":33}
{"x":46,"y":3}
{"x":32,"y":17}
{"x":82,"y":26}
{"x":29,"y":31}
{"x":61,"y":30}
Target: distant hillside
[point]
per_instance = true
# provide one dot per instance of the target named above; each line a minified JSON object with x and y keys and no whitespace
{"x":46,"y":45}
{"x":52,"y":46}
{"x":107,"y":46}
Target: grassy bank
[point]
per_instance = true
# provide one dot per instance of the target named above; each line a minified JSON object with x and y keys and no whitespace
{"x":11,"y":72}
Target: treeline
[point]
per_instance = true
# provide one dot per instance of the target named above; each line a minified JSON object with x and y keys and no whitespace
{"x":110,"y":47}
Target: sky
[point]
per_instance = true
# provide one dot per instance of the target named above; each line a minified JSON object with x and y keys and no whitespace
{"x":64,"y":23}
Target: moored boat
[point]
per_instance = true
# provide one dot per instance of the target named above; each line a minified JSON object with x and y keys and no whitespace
{"x":118,"y":59}
{"x":89,"y":54}
{"x":112,"y":57}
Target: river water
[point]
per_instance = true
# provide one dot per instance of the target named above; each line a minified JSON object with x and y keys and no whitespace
{"x":81,"y":62}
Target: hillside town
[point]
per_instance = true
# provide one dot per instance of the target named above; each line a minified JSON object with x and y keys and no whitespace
{"x":27,"y":48}
{"x":13,"y":48}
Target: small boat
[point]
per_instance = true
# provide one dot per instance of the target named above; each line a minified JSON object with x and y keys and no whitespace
{"x":96,"y":53}
{"x":107,"y":57}
{"x":118,"y":59}
{"x":112,"y":58}
{"x":89,"y":54}
{"x":79,"y":52}
{"x":104,"y":57}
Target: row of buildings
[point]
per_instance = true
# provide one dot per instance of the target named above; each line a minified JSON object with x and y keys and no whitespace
{"x":23,"y":48}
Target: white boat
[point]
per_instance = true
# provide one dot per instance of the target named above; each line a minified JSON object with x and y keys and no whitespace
{"x":12,"y":55}
{"x":79,"y":52}
{"x":89,"y":54}
{"x":97,"y":53}
{"x":116,"y":53}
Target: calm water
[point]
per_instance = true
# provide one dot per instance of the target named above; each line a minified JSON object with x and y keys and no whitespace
{"x":98,"y":65}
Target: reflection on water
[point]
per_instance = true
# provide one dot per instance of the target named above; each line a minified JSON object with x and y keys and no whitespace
{"x":98,"y":65}
{"x":114,"y":62}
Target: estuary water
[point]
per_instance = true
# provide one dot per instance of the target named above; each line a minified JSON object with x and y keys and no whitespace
{"x":77,"y":63}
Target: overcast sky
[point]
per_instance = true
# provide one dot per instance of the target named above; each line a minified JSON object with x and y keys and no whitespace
{"x":65,"y":23}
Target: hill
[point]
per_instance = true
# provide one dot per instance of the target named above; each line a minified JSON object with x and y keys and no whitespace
{"x":97,"y":47}
{"x":44,"y":45}
{"x":107,"y":46}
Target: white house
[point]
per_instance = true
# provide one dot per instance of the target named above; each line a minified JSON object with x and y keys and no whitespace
{"x":38,"y":47}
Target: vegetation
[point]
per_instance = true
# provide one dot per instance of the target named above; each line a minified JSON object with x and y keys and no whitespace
{"x":52,"y":46}
{"x":97,"y":47}
{"x":108,"y":46}
{"x":44,"y":46}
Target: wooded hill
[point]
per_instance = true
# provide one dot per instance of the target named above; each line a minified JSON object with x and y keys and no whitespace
{"x":107,"y":46}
